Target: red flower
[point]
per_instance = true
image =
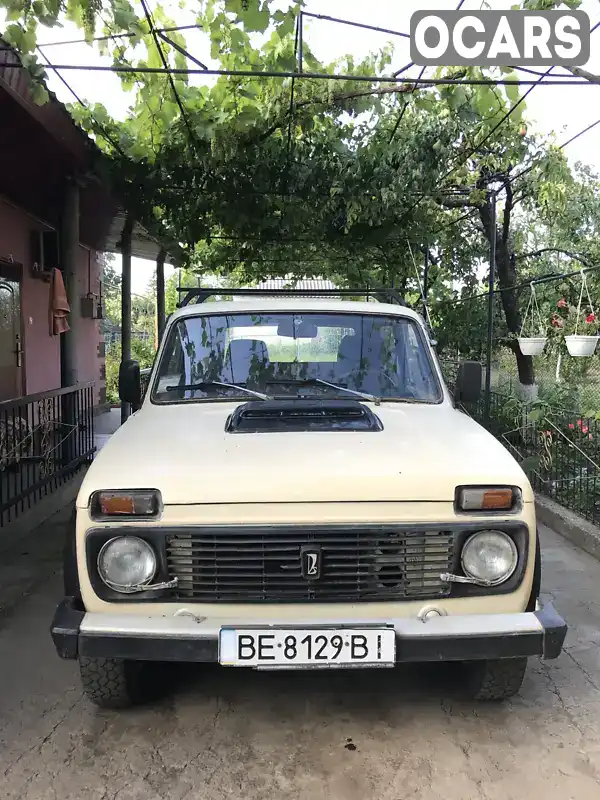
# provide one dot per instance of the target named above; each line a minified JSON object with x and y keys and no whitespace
{"x":562,"y":303}
{"x":590,"y":436}
{"x":585,"y":429}
{"x":591,"y":317}
{"x":580,"y":422}
{"x":558,"y":323}
{"x":571,"y":426}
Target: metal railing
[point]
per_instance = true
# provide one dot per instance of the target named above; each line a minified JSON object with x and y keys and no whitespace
{"x":44,"y":439}
{"x":558,"y":449}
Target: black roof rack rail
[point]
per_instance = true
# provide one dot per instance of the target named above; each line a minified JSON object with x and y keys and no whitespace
{"x":199,"y":295}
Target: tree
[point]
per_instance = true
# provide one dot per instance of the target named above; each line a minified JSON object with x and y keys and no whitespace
{"x":349,"y":180}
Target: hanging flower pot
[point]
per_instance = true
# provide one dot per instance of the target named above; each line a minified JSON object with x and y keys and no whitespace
{"x":579,"y":345}
{"x":584,"y":344}
{"x":532,"y":345}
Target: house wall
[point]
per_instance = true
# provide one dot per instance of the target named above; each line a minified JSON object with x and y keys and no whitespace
{"x":41,"y":351}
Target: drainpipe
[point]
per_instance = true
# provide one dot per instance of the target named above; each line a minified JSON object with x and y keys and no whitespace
{"x":126,"y":301}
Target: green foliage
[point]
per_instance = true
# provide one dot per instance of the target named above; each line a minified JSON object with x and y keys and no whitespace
{"x":548,"y":5}
{"x":140,"y":351}
{"x":252,"y":185}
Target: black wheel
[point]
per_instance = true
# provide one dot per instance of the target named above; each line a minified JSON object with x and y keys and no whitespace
{"x":496,"y":679}
{"x":115,"y":683}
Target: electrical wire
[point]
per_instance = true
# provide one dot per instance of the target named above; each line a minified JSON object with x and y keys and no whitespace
{"x":421,"y":73}
{"x":101,"y":127}
{"x":315,"y":76}
{"x":124,"y":35}
{"x":357,"y":24}
{"x":421,"y":289}
{"x":178,"y":100}
{"x":559,"y":276}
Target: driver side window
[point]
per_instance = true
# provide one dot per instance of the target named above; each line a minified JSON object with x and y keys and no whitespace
{"x":172,"y":373}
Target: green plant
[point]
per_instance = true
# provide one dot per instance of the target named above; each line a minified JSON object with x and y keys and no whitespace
{"x":141,"y":351}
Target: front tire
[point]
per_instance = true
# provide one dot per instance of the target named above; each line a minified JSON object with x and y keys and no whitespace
{"x":113,"y":682}
{"x":496,"y":679}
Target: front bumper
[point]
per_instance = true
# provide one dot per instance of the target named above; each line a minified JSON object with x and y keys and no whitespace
{"x":188,"y":638}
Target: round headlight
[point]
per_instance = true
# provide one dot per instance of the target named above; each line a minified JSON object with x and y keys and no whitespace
{"x":489,"y":556}
{"x":126,"y":563}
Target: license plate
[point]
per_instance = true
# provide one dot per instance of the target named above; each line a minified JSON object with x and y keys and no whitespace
{"x":285,"y":648}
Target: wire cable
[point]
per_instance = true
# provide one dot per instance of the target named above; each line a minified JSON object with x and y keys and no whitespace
{"x":314,"y":76}
{"x":421,"y":73}
{"x":154,"y":33}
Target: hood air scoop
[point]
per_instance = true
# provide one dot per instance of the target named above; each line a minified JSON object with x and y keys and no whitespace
{"x":278,"y":416}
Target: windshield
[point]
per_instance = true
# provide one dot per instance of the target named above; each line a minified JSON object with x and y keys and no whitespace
{"x":286,"y":355}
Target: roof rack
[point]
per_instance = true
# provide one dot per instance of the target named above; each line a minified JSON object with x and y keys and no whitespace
{"x":199,"y":295}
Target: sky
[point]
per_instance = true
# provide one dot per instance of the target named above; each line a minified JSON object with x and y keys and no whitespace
{"x":552,"y":110}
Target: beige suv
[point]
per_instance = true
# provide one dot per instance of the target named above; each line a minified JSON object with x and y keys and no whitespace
{"x":298,"y":489}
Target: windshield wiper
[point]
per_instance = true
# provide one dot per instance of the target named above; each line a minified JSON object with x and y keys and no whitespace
{"x":321,"y":382}
{"x":190,"y":387}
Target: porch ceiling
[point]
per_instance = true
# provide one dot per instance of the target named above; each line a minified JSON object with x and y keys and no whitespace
{"x":40,"y":147}
{"x":143,"y":245}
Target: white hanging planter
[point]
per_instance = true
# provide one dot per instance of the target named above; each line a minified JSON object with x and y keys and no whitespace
{"x":578,"y":345}
{"x":532,"y":345}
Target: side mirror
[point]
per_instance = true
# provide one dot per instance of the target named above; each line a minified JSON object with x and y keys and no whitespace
{"x":468,"y":382}
{"x":130,"y":384}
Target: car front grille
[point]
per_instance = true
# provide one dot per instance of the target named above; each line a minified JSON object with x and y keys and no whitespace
{"x":265,"y":564}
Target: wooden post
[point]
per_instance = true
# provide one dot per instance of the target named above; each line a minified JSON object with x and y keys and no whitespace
{"x":160,"y":294}
{"x":126,"y":302}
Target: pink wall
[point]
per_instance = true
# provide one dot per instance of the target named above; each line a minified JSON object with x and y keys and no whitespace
{"x":89,"y":364}
{"x":41,"y":350}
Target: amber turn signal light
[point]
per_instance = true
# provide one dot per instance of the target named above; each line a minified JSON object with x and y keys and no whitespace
{"x":126,"y":504}
{"x":486,"y":499}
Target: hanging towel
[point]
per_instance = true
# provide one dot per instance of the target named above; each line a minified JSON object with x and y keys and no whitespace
{"x":59,"y":306}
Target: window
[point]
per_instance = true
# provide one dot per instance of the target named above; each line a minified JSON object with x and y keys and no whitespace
{"x":287,"y":355}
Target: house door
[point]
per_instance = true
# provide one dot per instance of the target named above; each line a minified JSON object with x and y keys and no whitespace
{"x":11,"y":354}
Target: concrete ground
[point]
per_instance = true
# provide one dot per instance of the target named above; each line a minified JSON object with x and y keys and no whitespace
{"x":105,"y":425}
{"x":343,"y":736}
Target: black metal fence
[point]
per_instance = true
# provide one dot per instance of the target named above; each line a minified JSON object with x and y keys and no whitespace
{"x":558,"y":449}
{"x":44,"y":439}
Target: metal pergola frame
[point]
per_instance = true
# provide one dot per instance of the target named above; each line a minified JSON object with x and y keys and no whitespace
{"x":202,"y":294}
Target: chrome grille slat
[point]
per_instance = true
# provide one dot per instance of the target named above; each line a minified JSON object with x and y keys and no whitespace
{"x":359,"y":564}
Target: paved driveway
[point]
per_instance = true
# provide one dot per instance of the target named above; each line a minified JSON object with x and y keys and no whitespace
{"x":346,"y":736}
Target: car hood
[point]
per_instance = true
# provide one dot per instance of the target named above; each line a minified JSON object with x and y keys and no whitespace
{"x":422,"y":454}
